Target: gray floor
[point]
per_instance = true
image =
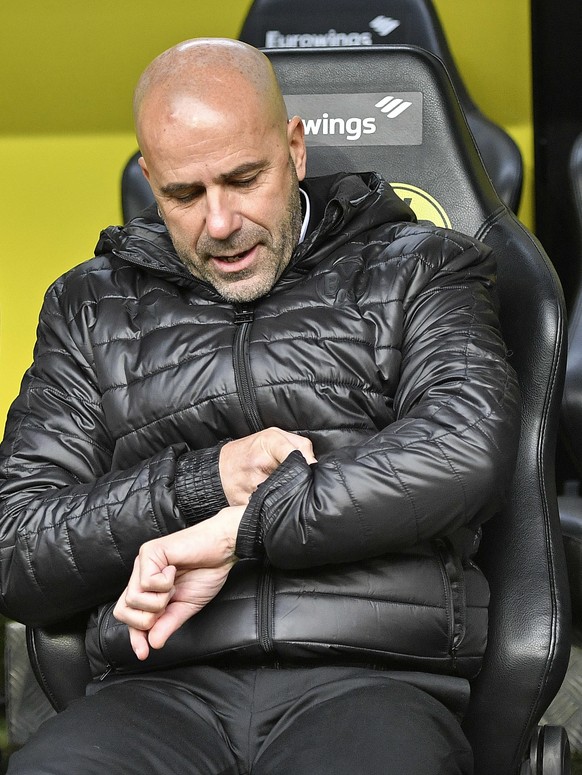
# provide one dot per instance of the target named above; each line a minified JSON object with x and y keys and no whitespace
{"x":26,"y":705}
{"x":566,"y":709}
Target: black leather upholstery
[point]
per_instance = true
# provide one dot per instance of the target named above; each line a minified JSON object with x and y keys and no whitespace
{"x":430,"y":153}
{"x":570,"y":501}
{"x":136,"y":193}
{"x":572,"y":401}
{"x":275,"y":23}
{"x":59,"y":661}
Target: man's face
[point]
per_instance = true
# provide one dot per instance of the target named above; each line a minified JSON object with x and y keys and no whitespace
{"x":227,"y":189}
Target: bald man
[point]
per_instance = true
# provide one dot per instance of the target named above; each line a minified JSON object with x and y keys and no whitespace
{"x":261,"y":431}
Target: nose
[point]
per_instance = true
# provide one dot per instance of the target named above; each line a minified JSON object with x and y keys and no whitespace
{"x":222,"y":215}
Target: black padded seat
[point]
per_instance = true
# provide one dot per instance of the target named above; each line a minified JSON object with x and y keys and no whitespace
{"x":136,"y":193}
{"x":572,"y":401}
{"x":570,"y":502}
{"x":303,"y":23}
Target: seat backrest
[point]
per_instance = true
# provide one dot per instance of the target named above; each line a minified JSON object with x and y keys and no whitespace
{"x":394,"y":110}
{"x":303,"y":24}
{"x":136,"y":193}
{"x":570,"y":472}
{"x":572,"y":401}
{"x":59,"y":660}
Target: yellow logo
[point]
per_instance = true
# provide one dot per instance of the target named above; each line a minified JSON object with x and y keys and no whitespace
{"x":424,"y":205}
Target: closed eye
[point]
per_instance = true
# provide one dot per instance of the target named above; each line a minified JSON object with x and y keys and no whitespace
{"x":182,"y":193}
{"x":184,"y":197}
{"x":244,"y":182}
{"x":245,"y":176}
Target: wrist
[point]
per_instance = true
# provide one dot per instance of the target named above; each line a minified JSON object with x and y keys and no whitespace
{"x":230,"y":519}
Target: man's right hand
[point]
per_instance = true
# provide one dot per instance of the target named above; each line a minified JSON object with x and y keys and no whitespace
{"x":245,"y":463}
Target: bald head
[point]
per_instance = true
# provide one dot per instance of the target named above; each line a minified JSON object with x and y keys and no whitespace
{"x":211,"y":73}
{"x":223,"y":161}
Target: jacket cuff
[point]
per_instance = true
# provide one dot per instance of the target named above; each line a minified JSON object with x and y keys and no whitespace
{"x":199,"y":492}
{"x":249,"y":540}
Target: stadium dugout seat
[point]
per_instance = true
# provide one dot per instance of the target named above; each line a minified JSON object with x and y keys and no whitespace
{"x":570,"y":501}
{"x":304,"y":23}
{"x":136,"y":193}
{"x":428,"y":152}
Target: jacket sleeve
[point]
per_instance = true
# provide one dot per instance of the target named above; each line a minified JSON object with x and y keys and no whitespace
{"x":70,"y":526}
{"x":445,"y":461}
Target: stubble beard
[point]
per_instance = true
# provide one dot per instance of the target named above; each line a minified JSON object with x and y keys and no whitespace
{"x":256,"y":281}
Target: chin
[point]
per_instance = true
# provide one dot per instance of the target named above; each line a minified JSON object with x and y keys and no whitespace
{"x":244,"y":291}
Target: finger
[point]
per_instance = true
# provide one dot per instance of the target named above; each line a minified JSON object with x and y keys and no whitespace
{"x":139,"y":620}
{"x":284,"y":442}
{"x":138,"y":594}
{"x":152,"y":571}
{"x":139,"y":643}
{"x":166,"y":625}
{"x":140,"y":609}
{"x":306,"y":448}
{"x":148,"y":602}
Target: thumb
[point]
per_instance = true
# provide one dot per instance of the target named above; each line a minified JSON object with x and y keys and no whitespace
{"x":139,"y":643}
{"x":169,"y":622}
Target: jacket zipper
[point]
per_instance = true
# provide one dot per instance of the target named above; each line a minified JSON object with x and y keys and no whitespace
{"x":265,"y":609}
{"x":453,"y":578}
{"x":243,"y":320}
{"x":109,"y":668}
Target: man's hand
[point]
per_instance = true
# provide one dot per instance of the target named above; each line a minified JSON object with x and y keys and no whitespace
{"x":175,"y":576}
{"x":245,"y":463}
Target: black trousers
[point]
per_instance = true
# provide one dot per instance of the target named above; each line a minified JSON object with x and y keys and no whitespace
{"x":205,"y":721}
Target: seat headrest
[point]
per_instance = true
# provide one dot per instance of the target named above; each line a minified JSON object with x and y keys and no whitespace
{"x":391,"y":110}
{"x":305,"y":24}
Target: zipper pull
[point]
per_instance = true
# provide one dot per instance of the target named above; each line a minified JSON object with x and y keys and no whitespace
{"x":244,"y":315}
{"x":104,"y":675}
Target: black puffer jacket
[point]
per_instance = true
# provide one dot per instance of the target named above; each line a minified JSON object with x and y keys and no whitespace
{"x":380,"y":342}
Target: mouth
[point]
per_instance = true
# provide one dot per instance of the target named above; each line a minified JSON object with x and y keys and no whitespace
{"x":236,"y":262}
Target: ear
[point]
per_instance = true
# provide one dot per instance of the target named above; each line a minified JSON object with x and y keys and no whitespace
{"x":144,"y":167}
{"x":296,"y":141}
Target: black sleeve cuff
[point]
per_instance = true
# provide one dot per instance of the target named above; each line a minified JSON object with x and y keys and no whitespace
{"x":255,"y":520}
{"x":248,"y":539}
{"x":199,"y":492}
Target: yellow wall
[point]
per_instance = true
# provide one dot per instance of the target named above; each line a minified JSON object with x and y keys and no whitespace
{"x":491,"y":43}
{"x":67,"y":70}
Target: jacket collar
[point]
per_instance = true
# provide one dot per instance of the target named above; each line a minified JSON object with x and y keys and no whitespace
{"x":342,"y":206}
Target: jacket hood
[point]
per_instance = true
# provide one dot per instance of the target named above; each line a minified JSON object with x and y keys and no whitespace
{"x":351,"y":204}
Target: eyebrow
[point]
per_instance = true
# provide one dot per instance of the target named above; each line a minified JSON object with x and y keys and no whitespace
{"x":243,"y":169}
